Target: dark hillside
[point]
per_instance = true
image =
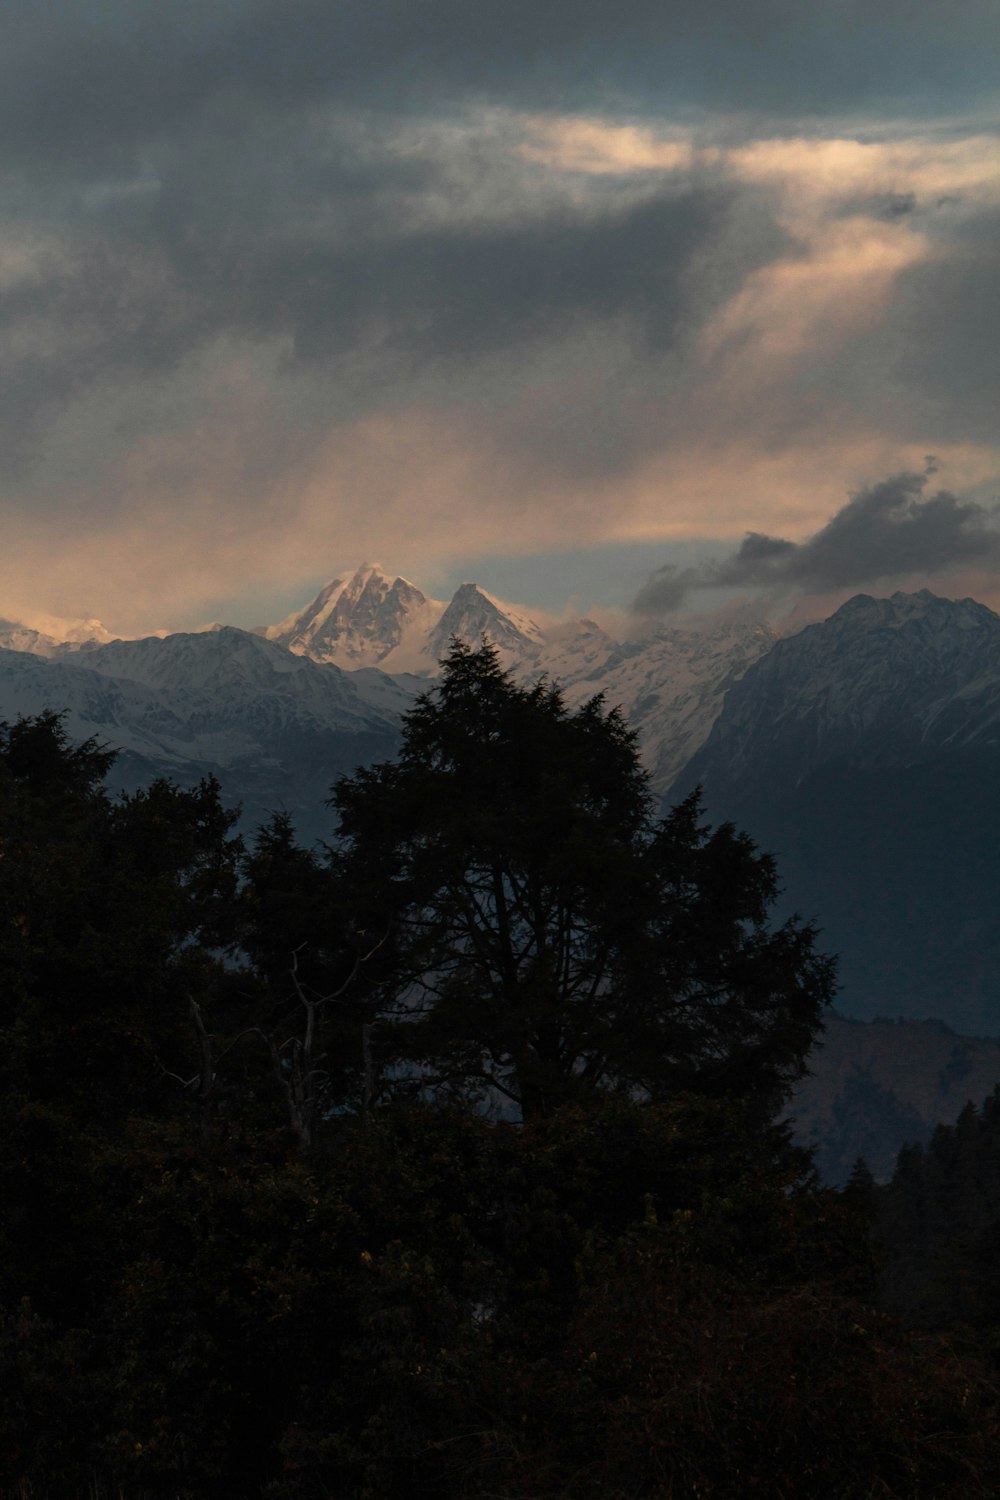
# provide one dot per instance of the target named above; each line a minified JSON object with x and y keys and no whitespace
{"x":865,"y":753}
{"x":875,"y":1086}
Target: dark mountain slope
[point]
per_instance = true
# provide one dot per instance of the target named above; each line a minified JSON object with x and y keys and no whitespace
{"x":865,"y":754}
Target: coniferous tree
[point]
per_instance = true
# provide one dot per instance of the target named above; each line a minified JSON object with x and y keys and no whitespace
{"x":638,"y":1296}
{"x":552,"y":938}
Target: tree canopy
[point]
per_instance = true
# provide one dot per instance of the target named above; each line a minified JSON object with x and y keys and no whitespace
{"x":552,"y":938}
{"x":220,"y":1276}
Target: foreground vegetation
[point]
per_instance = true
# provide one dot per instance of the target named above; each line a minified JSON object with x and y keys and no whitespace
{"x":441,"y":1164}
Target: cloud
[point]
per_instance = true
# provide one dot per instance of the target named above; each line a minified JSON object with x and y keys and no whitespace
{"x":891,"y":530}
{"x":94,"y":80}
{"x":294,"y":280}
{"x":941,"y":327}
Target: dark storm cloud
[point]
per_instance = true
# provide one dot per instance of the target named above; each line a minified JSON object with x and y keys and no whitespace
{"x":233,"y":231}
{"x":930,"y":362}
{"x":213,"y":168}
{"x":90,"y":79}
{"x":951,"y":350}
{"x":467,"y":293}
{"x":375,"y":254}
{"x":891,"y":530}
{"x":138,"y":297}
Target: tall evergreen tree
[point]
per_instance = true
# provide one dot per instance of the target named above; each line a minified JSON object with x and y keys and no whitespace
{"x":552,"y":938}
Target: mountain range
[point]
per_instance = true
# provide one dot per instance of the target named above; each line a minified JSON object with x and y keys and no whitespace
{"x":864,"y":750}
{"x":274,"y":728}
{"x":865,"y":753}
{"x":881,"y":683}
{"x":669,"y":681}
{"x":378,"y":638}
{"x":61,"y":639}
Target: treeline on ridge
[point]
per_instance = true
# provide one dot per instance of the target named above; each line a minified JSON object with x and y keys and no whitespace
{"x":439,"y":1162}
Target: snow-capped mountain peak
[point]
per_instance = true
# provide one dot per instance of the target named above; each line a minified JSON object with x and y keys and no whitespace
{"x":362,"y":620}
{"x":368,"y":618}
{"x":473,"y":613}
{"x":881,"y":682}
{"x":50,"y":635}
{"x":670,"y":683}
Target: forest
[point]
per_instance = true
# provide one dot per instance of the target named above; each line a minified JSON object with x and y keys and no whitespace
{"x":445,"y":1159}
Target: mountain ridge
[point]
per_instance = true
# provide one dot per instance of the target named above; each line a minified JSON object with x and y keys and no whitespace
{"x":668,"y":680}
{"x":878,"y":681}
{"x":274,"y":728}
{"x":864,"y":753}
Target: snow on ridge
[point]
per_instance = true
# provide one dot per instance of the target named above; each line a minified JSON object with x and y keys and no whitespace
{"x":360,"y":650}
{"x":365,"y":619}
{"x":880,"y":682}
{"x":49,"y":635}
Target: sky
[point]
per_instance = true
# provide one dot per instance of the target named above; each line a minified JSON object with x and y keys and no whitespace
{"x":595,"y":304}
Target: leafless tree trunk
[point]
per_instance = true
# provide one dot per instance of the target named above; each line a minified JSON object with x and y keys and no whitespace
{"x":297,"y":1061}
